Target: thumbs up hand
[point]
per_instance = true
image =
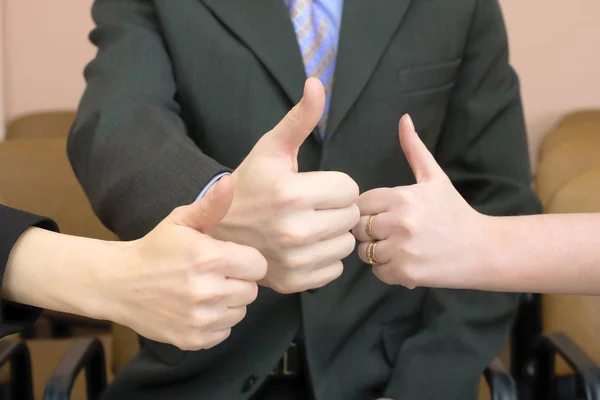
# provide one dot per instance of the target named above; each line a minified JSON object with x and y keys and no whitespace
{"x":300,"y":222}
{"x":420,"y":235}
{"x":179,"y":286}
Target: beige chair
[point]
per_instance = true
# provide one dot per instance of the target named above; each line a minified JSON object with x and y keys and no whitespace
{"x":46,"y":125}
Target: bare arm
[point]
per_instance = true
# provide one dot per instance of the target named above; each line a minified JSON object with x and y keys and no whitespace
{"x":557,"y":253}
{"x":58,"y":272}
{"x":447,"y":244}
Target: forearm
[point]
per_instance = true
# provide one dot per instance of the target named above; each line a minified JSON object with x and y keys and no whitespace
{"x":59,"y":272}
{"x":541,"y":254}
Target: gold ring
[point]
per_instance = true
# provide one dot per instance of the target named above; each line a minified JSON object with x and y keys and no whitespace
{"x":371,"y":258}
{"x":368,"y":228}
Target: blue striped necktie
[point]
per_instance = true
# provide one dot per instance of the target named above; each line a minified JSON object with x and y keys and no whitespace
{"x":317,"y":47}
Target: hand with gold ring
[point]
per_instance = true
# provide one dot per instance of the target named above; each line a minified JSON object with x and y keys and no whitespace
{"x":424,"y":234}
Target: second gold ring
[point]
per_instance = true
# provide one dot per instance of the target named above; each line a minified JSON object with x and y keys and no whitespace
{"x":371,"y":257}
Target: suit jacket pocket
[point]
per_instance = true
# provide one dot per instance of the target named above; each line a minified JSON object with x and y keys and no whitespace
{"x":428,"y":78}
{"x":393,"y":336}
{"x":166,"y":353}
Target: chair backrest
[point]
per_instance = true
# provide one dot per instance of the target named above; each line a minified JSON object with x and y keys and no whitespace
{"x":44,"y":125}
{"x":568,"y":181}
{"x":35,"y":176}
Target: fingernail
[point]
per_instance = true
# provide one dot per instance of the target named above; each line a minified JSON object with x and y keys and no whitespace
{"x":410,"y":121}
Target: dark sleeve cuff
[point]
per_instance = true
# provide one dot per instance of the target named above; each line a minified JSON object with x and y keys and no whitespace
{"x":16,"y":317}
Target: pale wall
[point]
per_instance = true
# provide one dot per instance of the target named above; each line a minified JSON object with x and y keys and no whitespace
{"x":45,"y":50}
{"x":555,"y":48}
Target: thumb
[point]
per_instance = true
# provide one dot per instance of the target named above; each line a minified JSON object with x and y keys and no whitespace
{"x":421,"y":160}
{"x":205,"y":213}
{"x":300,"y":121}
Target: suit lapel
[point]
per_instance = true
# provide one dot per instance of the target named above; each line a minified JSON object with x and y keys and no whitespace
{"x":367,"y":28}
{"x":265,"y":27}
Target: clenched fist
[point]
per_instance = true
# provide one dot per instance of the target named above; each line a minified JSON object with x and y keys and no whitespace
{"x":300,"y":222}
{"x":425,"y":234}
{"x":179,"y":286}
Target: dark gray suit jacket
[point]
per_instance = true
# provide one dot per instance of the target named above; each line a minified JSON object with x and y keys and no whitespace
{"x":182,"y":89}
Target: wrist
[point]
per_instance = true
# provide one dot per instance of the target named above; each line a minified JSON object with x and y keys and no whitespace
{"x":103,"y":301}
{"x":486,"y":253}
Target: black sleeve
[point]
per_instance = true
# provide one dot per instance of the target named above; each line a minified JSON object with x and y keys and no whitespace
{"x":129,"y":142}
{"x":15,"y":317}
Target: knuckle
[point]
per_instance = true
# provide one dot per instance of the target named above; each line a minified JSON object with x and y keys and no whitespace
{"x":176,"y":213}
{"x":333,"y":272}
{"x":348,"y":188}
{"x":241,"y":313}
{"x":292,"y":263}
{"x":409,"y":225}
{"x":351,"y":218}
{"x":293,"y":237}
{"x":218,"y":338}
{"x":202,"y":294}
{"x":181,"y":345}
{"x":404,"y":274}
{"x":262,"y":268}
{"x":403,"y":222}
{"x":197,"y":320}
{"x":348,"y":244}
{"x":196,"y":343}
{"x":283,"y":286}
{"x":285,"y":197}
{"x":188,"y":342}
{"x":337,"y":269}
{"x":257,"y":264}
{"x":405,"y":195}
{"x":408,"y":252}
{"x":414,"y":253}
{"x":351,"y":187}
{"x":409,"y":282}
{"x":405,"y":278}
{"x":252,"y":293}
{"x":396,"y":220}
{"x":214,"y":257}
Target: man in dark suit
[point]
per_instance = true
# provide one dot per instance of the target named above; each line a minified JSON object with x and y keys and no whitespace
{"x":183,"y":91}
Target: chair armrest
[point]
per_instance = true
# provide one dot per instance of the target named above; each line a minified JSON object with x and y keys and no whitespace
{"x":502,"y":386}
{"x":16,"y":352}
{"x":86,"y":354}
{"x":586,"y":370}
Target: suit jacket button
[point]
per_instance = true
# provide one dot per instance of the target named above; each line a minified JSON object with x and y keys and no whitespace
{"x":249,"y":383}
